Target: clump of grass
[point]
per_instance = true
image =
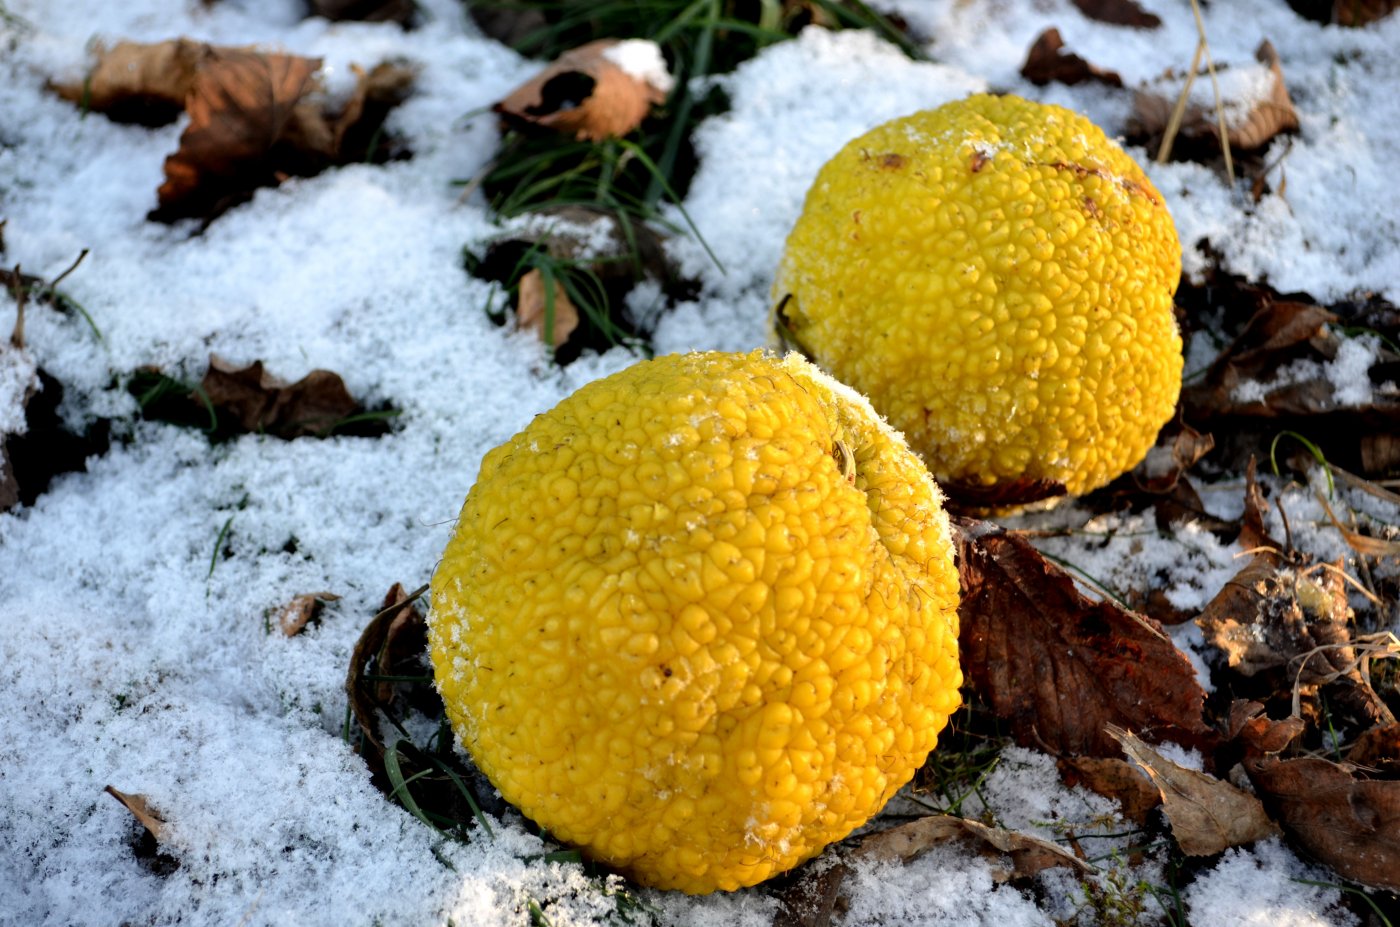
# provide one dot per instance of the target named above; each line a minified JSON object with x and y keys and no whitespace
{"x":632,"y":178}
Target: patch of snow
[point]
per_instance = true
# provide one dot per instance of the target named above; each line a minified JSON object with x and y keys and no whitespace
{"x":642,"y":59}
{"x":1265,"y":886}
{"x":18,"y":375}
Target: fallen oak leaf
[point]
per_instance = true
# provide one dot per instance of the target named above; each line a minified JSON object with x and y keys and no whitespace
{"x":1049,"y":62}
{"x":1058,"y":665}
{"x":1207,"y":815}
{"x":599,"y":90}
{"x":296,"y":614}
{"x":140,"y":808}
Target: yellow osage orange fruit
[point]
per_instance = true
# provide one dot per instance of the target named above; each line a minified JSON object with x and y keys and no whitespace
{"x":997,"y":277}
{"x":700,"y":619}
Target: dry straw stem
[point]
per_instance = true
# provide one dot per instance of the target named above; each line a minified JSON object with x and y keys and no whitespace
{"x":1368,"y":647}
{"x":1179,"y":111}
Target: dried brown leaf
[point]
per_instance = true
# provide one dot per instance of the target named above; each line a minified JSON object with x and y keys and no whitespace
{"x":1361,"y":12}
{"x":377,"y":91}
{"x":1060,"y":666}
{"x":978,"y":498}
{"x":1207,"y":816}
{"x":606,"y":254}
{"x":372,"y":11}
{"x":1278,"y":615}
{"x":296,"y":614}
{"x":260,"y":402}
{"x":1278,"y":333}
{"x":239,"y":107}
{"x":1119,"y":13}
{"x":140,"y":808}
{"x":1378,"y":750}
{"x":1349,"y":823}
{"x":551,"y":324}
{"x":1258,"y":734}
{"x":815,"y":897}
{"x":585,"y":94}
{"x":1049,"y":62}
{"x":1252,"y":531}
{"x":1249,"y":123}
{"x":1028,"y":855}
{"x":134,"y":81}
{"x":1112,"y":778}
{"x":1380,"y":453}
{"x":397,"y":630}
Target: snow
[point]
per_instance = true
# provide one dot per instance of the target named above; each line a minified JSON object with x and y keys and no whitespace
{"x":642,"y":59}
{"x":137,"y":655}
{"x":1269,"y":875}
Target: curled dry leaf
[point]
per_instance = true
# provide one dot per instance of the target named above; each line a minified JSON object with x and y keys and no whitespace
{"x":139,"y":82}
{"x":1254,"y":101}
{"x":1049,"y":62}
{"x":296,"y":614}
{"x":1252,"y":531}
{"x":590,"y":92}
{"x":1160,"y":482}
{"x":140,"y":808}
{"x":1207,"y":816}
{"x":1258,"y":734}
{"x":1058,"y":665}
{"x":1027,"y":855}
{"x":815,"y":897}
{"x":552,"y":320}
{"x":397,"y":633}
{"x":1118,"y":13}
{"x":261,"y":402}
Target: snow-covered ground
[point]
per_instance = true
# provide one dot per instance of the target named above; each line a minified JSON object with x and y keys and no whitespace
{"x":129,"y":657}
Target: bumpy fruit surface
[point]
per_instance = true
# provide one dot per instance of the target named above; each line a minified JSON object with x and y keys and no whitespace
{"x":700,"y":619}
{"x":997,"y":276}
